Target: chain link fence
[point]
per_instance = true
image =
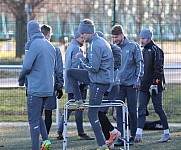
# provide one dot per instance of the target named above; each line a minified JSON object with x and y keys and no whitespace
{"x":163,"y":17}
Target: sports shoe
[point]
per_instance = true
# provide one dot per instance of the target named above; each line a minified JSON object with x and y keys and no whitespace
{"x":84,"y":136}
{"x":79,"y":102}
{"x":165,"y":138}
{"x":111,"y":146}
{"x":112,"y":138}
{"x":131,"y":140}
{"x":138,"y":138}
{"x":103,"y":148}
{"x":59,"y":137}
{"x":46,"y":145}
{"x":119,"y":142}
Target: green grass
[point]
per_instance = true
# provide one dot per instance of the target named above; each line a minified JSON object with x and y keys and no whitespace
{"x":171,"y":103}
{"x":8,"y":74}
{"x":13,"y":137}
{"x":8,"y":58}
{"x":13,"y":105}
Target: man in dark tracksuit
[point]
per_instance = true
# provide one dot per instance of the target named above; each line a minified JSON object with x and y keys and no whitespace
{"x":51,"y":102}
{"x":98,"y":73}
{"x":129,"y":75}
{"x":151,"y":84}
{"x":109,"y":131}
{"x":38,"y":68}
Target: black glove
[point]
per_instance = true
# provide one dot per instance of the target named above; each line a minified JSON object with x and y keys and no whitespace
{"x":106,"y":93}
{"x":147,"y":112}
{"x":59,"y":94}
{"x":26,"y":92}
{"x":82,"y":86}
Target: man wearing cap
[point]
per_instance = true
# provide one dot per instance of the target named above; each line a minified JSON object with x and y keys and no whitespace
{"x":98,"y":73}
{"x":151,"y":84}
{"x":72,"y":62}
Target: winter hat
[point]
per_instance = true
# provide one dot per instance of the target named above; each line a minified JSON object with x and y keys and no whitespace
{"x":100,"y":34}
{"x":76,"y":33}
{"x":33,"y":27}
{"x":86,"y":28}
{"x":146,"y":34}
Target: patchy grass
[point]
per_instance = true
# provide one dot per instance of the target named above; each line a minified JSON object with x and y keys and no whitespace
{"x":19,"y":138}
{"x":13,"y":105}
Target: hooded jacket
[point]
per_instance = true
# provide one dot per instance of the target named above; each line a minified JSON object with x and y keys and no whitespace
{"x":131,"y":70}
{"x":59,"y":81}
{"x":39,"y":63}
{"x":71,"y":62}
{"x":116,"y":50}
{"x":99,"y":61}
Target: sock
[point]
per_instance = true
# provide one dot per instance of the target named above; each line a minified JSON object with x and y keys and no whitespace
{"x":166,"y":131}
{"x":139,"y":131}
{"x":114,"y":131}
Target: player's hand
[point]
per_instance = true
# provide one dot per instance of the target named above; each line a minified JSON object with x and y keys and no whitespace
{"x":59,"y":94}
{"x":136,"y":86}
{"x":21,"y":82}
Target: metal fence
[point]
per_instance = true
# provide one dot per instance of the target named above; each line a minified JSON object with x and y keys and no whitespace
{"x":163,"y":17}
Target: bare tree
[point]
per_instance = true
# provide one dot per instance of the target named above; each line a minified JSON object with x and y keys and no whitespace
{"x":18,"y":8}
{"x":160,"y":18}
{"x":140,"y":17}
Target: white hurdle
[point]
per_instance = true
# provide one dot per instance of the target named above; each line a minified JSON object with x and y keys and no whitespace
{"x":105,"y":103}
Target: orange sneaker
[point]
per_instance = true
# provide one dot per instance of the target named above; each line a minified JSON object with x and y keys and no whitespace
{"x":112,"y":138}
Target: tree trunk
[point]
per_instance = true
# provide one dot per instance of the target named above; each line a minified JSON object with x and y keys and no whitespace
{"x":20,"y":37}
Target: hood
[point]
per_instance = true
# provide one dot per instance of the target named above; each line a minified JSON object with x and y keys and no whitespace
{"x":33,"y":27}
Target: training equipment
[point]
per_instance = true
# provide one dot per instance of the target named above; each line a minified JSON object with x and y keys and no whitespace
{"x":105,"y":103}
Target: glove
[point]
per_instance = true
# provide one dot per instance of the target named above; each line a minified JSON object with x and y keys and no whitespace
{"x":82,"y":87}
{"x":147,"y":112}
{"x":59,"y":94}
{"x":156,"y":81}
{"x":21,"y":82}
{"x":106,"y":93}
{"x":26,"y":93}
{"x":153,"y":90}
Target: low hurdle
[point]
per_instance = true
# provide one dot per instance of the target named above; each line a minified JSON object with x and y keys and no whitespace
{"x":105,"y":103}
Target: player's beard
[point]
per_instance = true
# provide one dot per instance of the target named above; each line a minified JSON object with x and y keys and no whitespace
{"x":143,"y":44}
{"x":120,"y":41}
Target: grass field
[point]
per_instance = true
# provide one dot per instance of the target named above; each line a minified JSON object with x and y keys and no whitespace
{"x":18,"y":138}
{"x":13,"y":105}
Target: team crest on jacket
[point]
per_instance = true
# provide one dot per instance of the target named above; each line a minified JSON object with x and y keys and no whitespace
{"x":149,"y":50}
